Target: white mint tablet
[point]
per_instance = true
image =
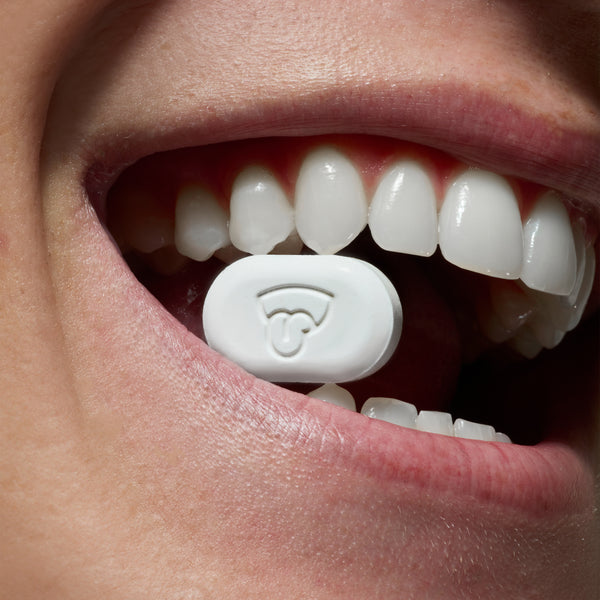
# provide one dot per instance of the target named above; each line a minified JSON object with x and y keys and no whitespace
{"x":317,"y":319}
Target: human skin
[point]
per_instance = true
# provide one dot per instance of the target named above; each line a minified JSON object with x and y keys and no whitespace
{"x":134,"y":463}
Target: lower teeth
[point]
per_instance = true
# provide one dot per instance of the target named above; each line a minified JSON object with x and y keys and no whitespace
{"x":405,"y":414}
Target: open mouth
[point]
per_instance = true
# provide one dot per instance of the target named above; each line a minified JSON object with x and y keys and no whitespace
{"x":451,"y":149}
{"x":493,"y":272}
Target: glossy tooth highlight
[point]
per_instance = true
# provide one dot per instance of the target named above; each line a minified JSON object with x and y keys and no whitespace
{"x":479,"y":229}
{"x":403,"y":211}
{"x":391,"y":410}
{"x":200,"y":224}
{"x":331,"y":206}
{"x":480,"y":225}
{"x":405,"y":415}
{"x":474,"y":431}
{"x":434,"y":421}
{"x":334,"y":394}
{"x":260,"y":215}
{"x":549,"y":262}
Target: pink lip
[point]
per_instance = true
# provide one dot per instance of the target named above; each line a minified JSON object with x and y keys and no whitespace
{"x":475,"y":127}
{"x":550,"y":478}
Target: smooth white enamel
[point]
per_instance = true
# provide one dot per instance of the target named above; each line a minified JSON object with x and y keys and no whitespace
{"x":391,"y":410}
{"x":559,"y":310}
{"x":474,"y":431}
{"x":260,"y":215}
{"x":502,"y":437}
{"x":565,"y":312}
{"x":200,"y":224}
{"x":549,"y":261}
{"x":434,"y":421}
{"x":330,"y":201}
{"x":334,"y":394}
{"x":480,"y":225}
{"x":403,"y":211}
{"x":319,"y":319}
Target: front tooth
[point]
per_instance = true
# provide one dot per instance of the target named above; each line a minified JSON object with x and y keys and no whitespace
{"x":334,"y":394}
{"x":549,"y":262}
{"x":403,"y":212}
{"x":200,"y":224}
{"x":391,"y":410}
{"x":331,"y":206}
{"x":480,"y":225}
{"x":434,"y":421}
{"x":261,"y":216}
{"x":502,"y":437}
{"x":474,"y":431}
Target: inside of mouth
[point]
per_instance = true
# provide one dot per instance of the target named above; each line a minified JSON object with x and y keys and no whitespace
{"x":445,"y":360}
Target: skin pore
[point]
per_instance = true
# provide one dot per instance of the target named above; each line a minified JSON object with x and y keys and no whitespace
{"x":135,"y":463}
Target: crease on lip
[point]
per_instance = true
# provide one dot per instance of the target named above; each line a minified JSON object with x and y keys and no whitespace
{"x":474,"y":127}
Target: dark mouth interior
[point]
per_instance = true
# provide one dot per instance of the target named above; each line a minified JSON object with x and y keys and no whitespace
{"x":443,"y":361}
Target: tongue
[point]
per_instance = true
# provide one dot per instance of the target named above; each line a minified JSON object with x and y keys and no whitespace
{"x":425,"y":367}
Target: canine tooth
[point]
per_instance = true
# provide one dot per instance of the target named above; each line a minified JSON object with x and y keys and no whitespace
{"x":480,"y":225}
{"x":391,"y":410}
{"x":334,"y":394}
{"x":434,"y":421}
{"x":403,"y":212}
{"x":200,"y":224}
{"x":260,"y":214}
{"x":559,"y":309}
{"x":331,"y":206}
{"x":474,"y":431}
{"x":549,"y":261}
{"x":502,"y":437}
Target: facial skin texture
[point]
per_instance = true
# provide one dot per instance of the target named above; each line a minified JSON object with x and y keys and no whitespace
{"x":133,"y":463}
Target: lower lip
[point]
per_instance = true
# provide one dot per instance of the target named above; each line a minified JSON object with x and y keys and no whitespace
{"x":547,"y":479}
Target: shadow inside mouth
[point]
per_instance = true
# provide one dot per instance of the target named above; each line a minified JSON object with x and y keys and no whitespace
{"x":442,"y":362}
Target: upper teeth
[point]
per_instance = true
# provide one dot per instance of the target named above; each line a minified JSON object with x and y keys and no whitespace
{"x":478,"y":227}
{"x":331,"y":205}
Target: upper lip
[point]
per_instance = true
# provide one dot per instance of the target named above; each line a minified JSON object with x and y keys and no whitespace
{"x":476,"y":127}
